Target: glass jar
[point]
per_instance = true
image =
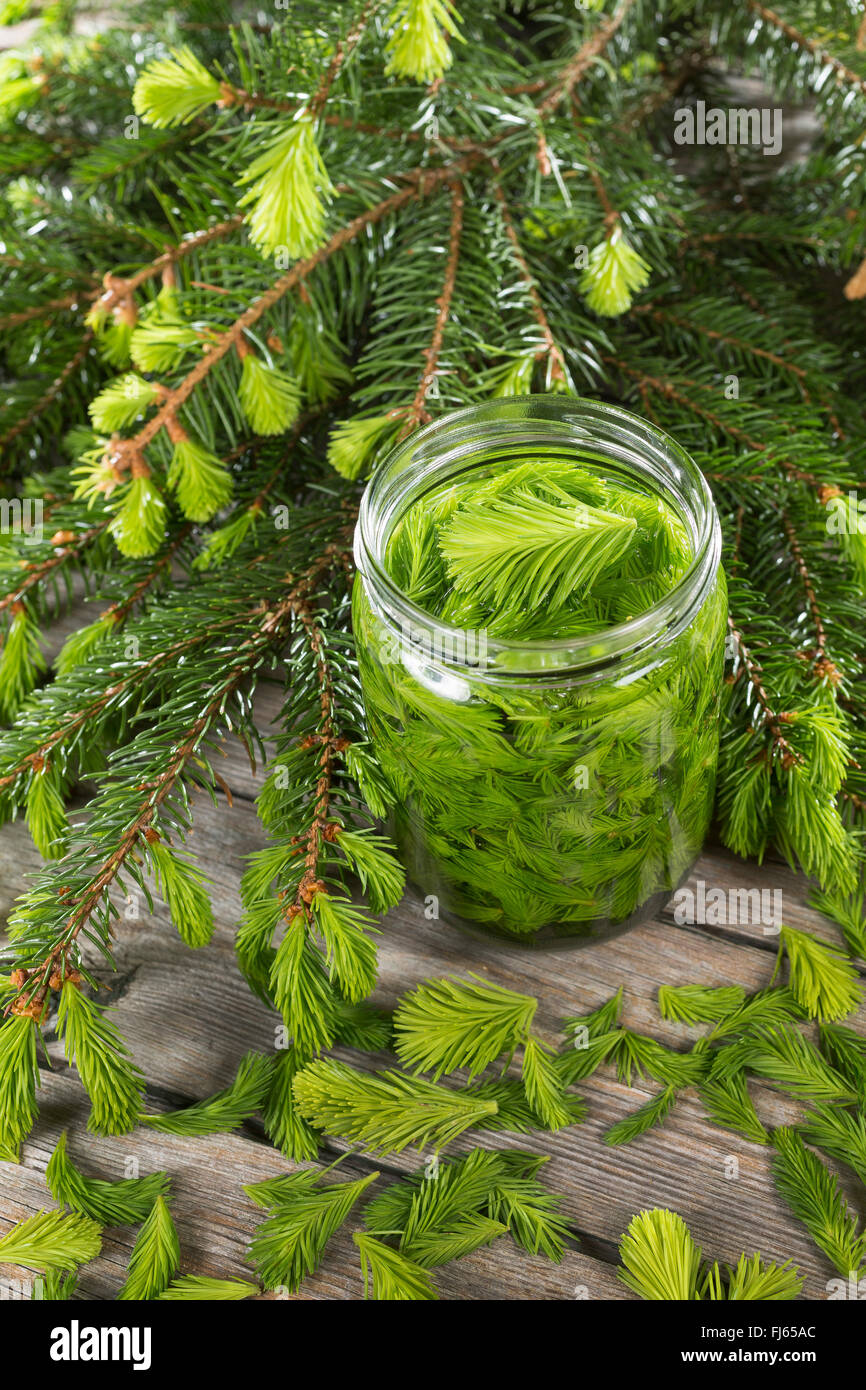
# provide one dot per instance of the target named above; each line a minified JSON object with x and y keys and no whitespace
{"x":544,"y":791}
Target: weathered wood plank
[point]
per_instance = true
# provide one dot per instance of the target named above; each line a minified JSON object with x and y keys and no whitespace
{"x":190,"y":1017}
{"x":216,"y":1220}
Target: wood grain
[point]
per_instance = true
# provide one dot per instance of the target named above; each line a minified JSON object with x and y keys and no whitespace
{"x":190,"y":1017}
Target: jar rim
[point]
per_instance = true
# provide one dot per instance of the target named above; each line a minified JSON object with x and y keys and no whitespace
{"x":459,"y":435}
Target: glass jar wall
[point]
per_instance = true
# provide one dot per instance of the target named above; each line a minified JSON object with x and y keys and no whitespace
{"x":556,"y":786}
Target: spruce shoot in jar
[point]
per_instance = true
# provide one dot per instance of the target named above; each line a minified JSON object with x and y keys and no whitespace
{"x":540,"y":618}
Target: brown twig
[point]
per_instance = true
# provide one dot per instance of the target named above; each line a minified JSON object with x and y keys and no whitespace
{"x":551,"y":349}
{"x":120,"y":610}
{"x":665,"y":316}
{"x":756,"y":679}
{"x":119,"y":288}
{"x":36,"y":311}
{"x":417,"y":413}
{"x":735,"y":234}
{"x":309,"y":882}
{"x":611,"y":216}
{"x":671,"y":393}
{"x":342,"y":50}
{"x":748,"y":298}
{"x":95,"y":707}
{"x":116,"y":293}
{"x":738,"y":538}
{"x":808,"y":45}
{"x":823,"y":667}
{"x":65,"y":548}
{"x":584,"y":58}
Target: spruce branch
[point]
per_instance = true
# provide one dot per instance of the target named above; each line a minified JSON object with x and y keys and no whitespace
{"x":19,"y":1077}
{"x":417,"y":412}
{"x":840,"y":1133}
{"x":50,"y":394}
{"x":823,"y":668}
{"x":653,"y":1112}
{"x":667,"y":390}
{"x":272,"y":625}
{"x":729,"y":1104}
{"x":120,"y":289}
{"x":846,"y":1052}
{"x":666,"y":315}
{"x":786,"y":1057}
{"x":754,"y":1281}
{"x":555,"y":372}
{"x":420,"y":183}
{"x":589,"y":53}
{"x":810,"y":46}
{"x":699,"y":1003}
{"x":284,"y":1126}
{"x":445,"y":1025}
{"x":822,"y":978}
{"x":660,"y":1260}
{"x":343,"y":49}
{"x":69,"y":727}
{"x":848,"y":911}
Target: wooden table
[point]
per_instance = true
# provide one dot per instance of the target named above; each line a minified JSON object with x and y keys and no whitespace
{"x":189,"y":1017}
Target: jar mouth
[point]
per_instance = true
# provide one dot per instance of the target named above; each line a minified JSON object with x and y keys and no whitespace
{"x":506,"y":430}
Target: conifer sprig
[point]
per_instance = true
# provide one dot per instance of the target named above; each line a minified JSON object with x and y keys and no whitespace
{"x":786,"y":1057}
{"x":389,"y":1275}
{"x":729,"y":1104}
{"x":155,"y":1256}
{"x":699,"y":1003}
{"x":110,"y":1077}
{"x":526,"y":550}
{"x":839,"y":1133}
{"x":51,"y":1240}
{"x":822,"y":978}
{"x":122,"y":1203}
{"x":426,"y":287}
{"x":444,"y":1025}
{"x":386,"y":1112}
{"x":814,"y":1196}
{"x":290,"y":1243}
{"x":199,"y":1288}
{"x":846,"y":1052}
{"x":661,"y":1262}
{"x":19,"y":1077}
{"x":227,"y":1109}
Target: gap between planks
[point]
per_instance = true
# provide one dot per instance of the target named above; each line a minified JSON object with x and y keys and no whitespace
{"x":201,"y":1003}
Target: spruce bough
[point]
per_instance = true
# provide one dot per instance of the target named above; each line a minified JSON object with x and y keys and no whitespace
{"x":259,"y":259}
